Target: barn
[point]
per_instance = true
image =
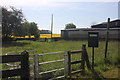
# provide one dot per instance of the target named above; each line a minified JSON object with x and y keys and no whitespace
{"x":82,"y":33}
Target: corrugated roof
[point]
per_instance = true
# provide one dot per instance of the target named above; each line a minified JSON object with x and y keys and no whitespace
{"x":87,"y":29}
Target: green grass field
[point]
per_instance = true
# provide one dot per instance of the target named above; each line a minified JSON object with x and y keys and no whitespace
{"x":46,"y":47}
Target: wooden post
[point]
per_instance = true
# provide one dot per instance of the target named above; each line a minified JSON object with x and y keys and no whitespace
{"x":92,"y":58}
{"x":86,"y":58}
{"x":83,"y":60}
{"x":25,"y":73}
{"x":107,"y":36}
{"x":67,"y":64}
{"x":36,"y":65}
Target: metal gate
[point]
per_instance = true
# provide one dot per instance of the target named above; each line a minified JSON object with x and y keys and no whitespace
{"x":47,"y":68}
{"x":59,"y":63}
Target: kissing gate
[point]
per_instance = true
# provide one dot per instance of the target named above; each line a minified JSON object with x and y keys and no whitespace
{"x":44,"y":67}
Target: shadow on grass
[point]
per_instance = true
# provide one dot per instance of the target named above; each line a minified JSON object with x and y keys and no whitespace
{"x":97,"y":75}
{"x":14,"y":43}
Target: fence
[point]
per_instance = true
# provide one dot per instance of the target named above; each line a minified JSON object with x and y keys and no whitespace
{"x":23,"y":72}
{"x":35,"y":71}
{"x":66,"y":69}
{"x":17,"y":65}
{"x":68,"y":62}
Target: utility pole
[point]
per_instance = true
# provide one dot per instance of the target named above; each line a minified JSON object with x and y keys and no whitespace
{"x":107,"y":37}
{"x":51,"y":26}
{"x":119,"y":10}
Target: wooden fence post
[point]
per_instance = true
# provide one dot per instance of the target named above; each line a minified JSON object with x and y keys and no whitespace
{"x":86,"y":58}
{"x":83,"y":60}
{"x":67,"y":64}
{"x":25,"y":73}
{"x":36,"y":65}
{"x":107,"y":39}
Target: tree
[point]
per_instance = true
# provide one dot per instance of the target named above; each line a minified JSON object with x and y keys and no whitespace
{"x":12,"y":20}
{"x":69,"y":26}
{"x":14,"y":23}
{"x":25,"y":28}
{"x":31,"y":28}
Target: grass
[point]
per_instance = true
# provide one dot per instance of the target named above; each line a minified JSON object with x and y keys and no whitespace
{"x":46,"y":47}
{"x":113,"y":73}
{"x":42,"y":47}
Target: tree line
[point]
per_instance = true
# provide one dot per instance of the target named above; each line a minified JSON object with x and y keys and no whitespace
{"x":15,"y":24}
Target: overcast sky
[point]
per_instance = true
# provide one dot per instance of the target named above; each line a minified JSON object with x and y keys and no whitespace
{"x":79,"y":12}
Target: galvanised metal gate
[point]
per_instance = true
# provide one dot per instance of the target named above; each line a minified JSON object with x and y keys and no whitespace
{"x":48,"y":71}
{"x":62,"y":60}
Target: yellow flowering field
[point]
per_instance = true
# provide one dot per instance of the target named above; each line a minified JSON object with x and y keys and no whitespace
{"x":49,"y":35}
{"x":41,"y":36}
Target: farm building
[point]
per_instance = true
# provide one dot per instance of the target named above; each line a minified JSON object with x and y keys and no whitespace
{"x":82,"y":33}
{"x":112,"y":24}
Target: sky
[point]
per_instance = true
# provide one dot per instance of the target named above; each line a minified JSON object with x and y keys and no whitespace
{"x":82,"y":13}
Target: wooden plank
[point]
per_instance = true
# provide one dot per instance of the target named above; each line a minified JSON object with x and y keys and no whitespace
{"x":51,"y":71}
{"x":51,"y":61}
{"x":75,"y":62}
{"x":60,"y":77}
{"x":10,"y":73}
{"x":13,"y":52}
{"x":52,"y":53}
{"x":57,"y":77}
{"x":74,"y":72}
{"x":75,"y":52}
{"x":10,"y":58}
{"x":12,"y":65}
{"x":16,"y":52}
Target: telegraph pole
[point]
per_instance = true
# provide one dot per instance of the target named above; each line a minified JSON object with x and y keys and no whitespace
{"x":51,"y":26}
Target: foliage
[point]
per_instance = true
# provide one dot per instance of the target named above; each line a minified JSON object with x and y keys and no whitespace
{"x":69,"y":26}
{"x":11,"y":21}
{"x":25,"y":27}
{"x":14,"y":24}
{"x":30,"y":28}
